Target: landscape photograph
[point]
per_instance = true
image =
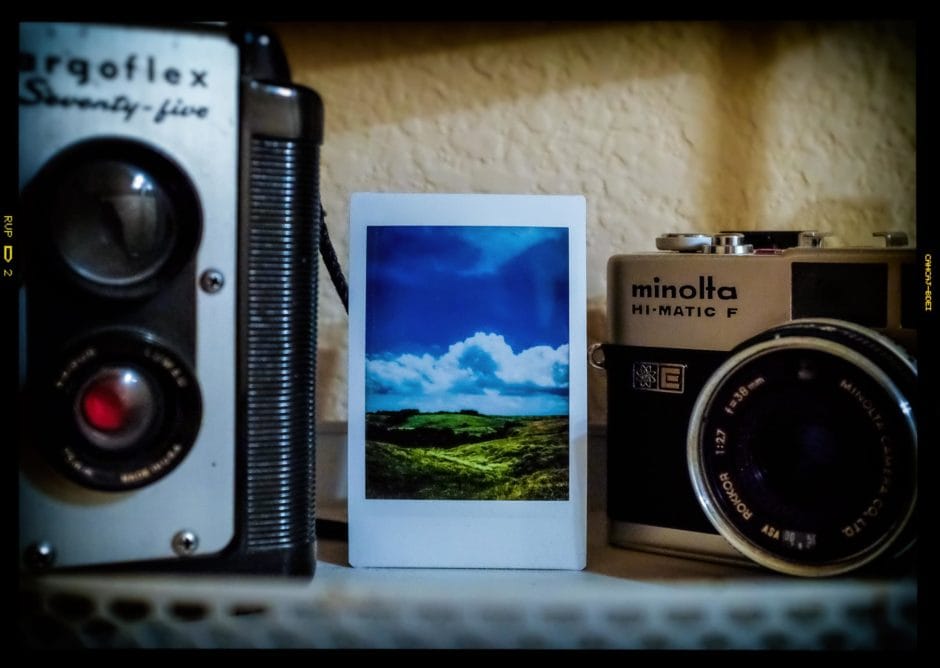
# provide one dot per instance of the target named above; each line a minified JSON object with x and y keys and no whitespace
{"x":467,"y":363}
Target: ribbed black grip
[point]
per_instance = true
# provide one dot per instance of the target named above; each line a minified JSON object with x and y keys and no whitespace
{"x":280,"y":344}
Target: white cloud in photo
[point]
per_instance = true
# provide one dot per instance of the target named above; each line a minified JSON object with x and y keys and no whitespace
{"x":481,"y":372}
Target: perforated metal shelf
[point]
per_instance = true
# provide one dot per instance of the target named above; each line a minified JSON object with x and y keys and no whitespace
{"x":624,"y":599}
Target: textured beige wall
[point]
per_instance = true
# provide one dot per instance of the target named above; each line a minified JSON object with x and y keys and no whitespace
{"x":662,"y":126}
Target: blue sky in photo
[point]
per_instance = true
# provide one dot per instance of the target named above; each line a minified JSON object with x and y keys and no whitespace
{"x":467,"y":317}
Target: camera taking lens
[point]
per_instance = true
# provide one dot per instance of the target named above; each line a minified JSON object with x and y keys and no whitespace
{"x":123,"y":411}
{"x":803,"y":449}
{"x":115,"y":407}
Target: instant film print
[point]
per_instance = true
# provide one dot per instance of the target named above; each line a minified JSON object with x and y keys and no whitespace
{"x":467,"y":391}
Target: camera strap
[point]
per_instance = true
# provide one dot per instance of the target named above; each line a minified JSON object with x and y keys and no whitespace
{"x":328,"y":253}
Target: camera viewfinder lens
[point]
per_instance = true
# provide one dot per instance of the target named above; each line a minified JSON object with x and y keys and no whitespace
{"x":113,"y":223}
{"x":116,"y":218}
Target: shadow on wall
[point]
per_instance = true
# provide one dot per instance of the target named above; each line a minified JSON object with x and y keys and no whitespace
{"x":474,"y":64}
{"x":331,"y":371}
{"x":731,"y":190}
{"x":383,"y":73}
{"x":375,"y":74}
{"x":470,"y":65}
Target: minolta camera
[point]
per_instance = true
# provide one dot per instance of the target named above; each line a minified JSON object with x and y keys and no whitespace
{"x":761,"y":400}
{"x":169,"y":193}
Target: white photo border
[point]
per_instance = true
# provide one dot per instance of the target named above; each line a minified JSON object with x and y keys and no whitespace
{"x":468,"y":533}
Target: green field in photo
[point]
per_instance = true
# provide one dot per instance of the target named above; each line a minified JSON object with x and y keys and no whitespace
{"x":466,"y":455}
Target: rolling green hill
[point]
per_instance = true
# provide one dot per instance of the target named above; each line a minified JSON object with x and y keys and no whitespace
{"x":412,"y":455}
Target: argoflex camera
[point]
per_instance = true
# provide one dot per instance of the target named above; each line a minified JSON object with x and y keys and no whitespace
{"x":169,"y":183}
{"x":766,"y":395}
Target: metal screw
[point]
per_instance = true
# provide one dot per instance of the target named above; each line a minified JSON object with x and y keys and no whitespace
{"x":596,"y":356}
{"x":185,"y":542}
{"x":812,"y":239}
{"x":39,"y":556}
{"x":893,"y":239}
{"x":211,"y":280}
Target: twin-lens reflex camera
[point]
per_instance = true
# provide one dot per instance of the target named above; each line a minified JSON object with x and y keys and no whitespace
{"x":169,"y":192}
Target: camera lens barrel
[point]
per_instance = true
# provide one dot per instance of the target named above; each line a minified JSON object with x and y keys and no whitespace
{"x":122,"y":411}
{"x":802,"y":447}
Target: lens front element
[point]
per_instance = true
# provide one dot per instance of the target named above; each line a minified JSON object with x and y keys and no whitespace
{"x":802,"y":448}
{"x":116,"y":407}
{"x":123,"y":410}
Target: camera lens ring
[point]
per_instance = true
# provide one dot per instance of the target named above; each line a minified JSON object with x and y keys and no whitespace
{"x":172,"y":423}
{"x":105,"y":195}
{"x":851,"y":345}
